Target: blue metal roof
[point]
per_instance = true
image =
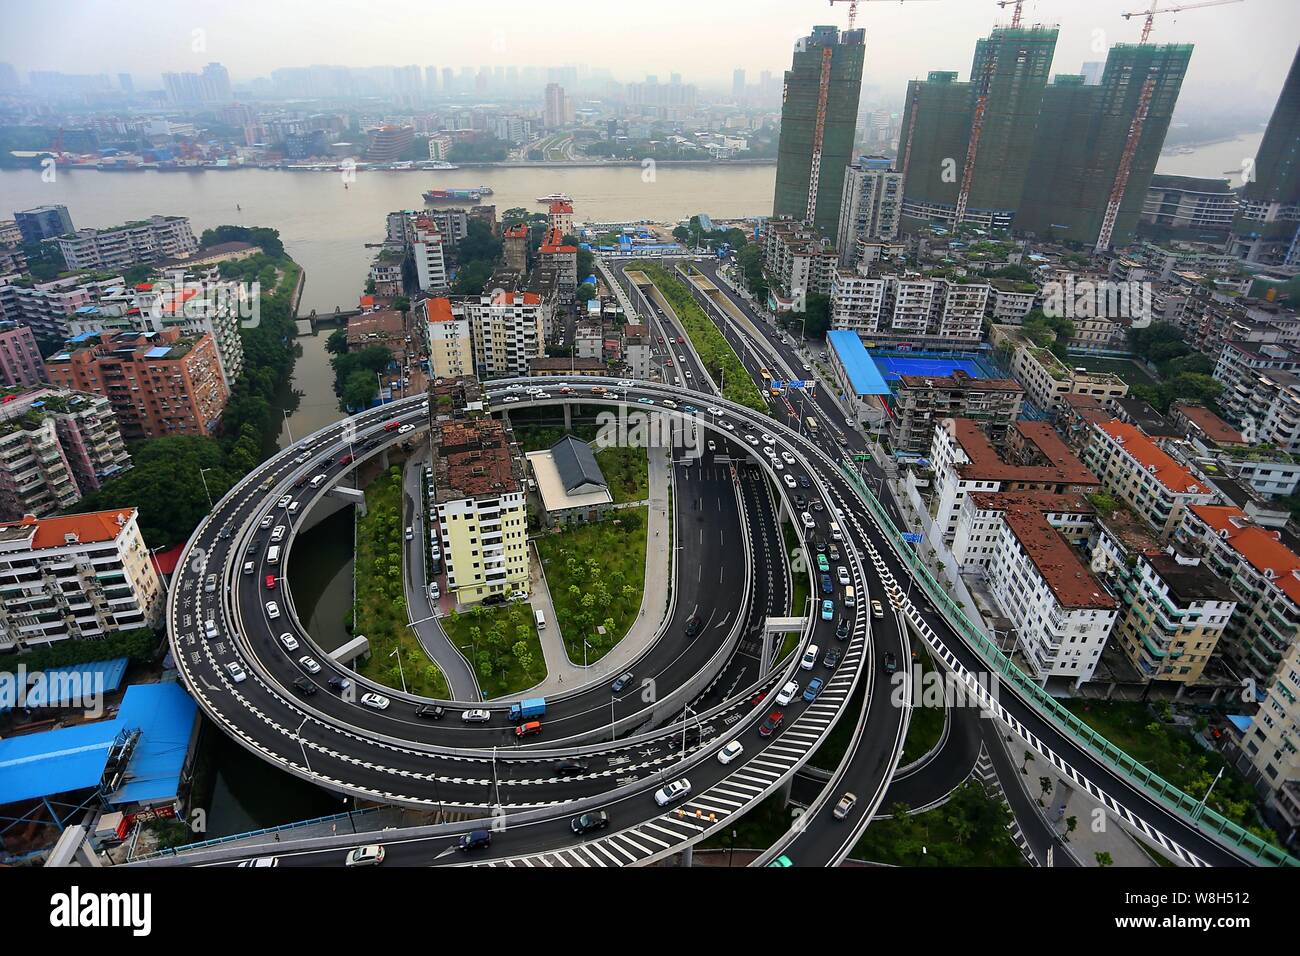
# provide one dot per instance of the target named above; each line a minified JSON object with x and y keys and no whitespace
{"x":863,"y":374}
{"x":101,"y":677}
{"x":158,"y":351}
{"x":73,"y":758}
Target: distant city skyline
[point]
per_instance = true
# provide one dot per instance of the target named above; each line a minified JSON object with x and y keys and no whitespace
{"x":904,"y":40}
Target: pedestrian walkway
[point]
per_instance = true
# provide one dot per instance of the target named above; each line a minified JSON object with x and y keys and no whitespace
{"x":564,"y":675}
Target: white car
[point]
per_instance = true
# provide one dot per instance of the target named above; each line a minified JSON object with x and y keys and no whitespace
{"x":787,"y":458}
{"x":235,"y":671}
{"x":789,"y":481}
{"x":272,"y":610}
{"x":776,"y":463}
{"x":405,"y":428}
{"x":807,"y":520}
{"x":712,"y":446}
{"x":625,"y":383}
{"x":410,"y":533}
{"x":512,"y":398}
{"x":309,"y":665}
{"x":260,"y":862}
{"x":730,"y":752}
{"x":752,"y":440}
{"x":476,"y":716}
{"x":843,"y":574}
{"x":768,"y":439}
{"x":714,"y":410}
{"x":375,"y":701}
{"x":434,"y":592}
{"x":289,"y":641}
{"x":248,"y":567}
{"x":788,"y":693}
{"x":284,"y":502}
{"x":809,"y":660}
{"x":728,"y":426}
{"x":365,"y":856}
{"x":674,"y":791}
{"x":266,"y":522}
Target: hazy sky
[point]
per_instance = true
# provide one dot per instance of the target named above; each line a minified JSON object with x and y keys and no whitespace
{"x":1242,"y":49}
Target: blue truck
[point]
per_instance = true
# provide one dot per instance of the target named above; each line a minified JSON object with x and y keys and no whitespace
{"x":530,"y":708}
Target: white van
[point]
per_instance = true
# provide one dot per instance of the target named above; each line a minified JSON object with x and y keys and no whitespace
{"x":541,"y":620}
{"x":835,"y":532}
{"x":810,"y":657}
{"x":273,"y":554}
{"x":317,"y":481}
{"x":850,"y":596}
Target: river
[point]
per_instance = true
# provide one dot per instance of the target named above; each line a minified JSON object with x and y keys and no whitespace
{"x":325,"y":227}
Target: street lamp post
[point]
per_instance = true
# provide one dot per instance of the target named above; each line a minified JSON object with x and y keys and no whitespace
{"x":202,"y":473}
{"x":287,"y":427}
{"x":397,"y":651}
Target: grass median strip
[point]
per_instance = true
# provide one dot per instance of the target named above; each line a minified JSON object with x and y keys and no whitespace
{"x":721,"y":361}
{"x":596,"y":574}
{"x":381,"y":613}
{"x":502,"y":645}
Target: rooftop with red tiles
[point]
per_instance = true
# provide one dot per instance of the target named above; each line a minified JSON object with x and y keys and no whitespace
{"x":1261,"y":547}
{"x":1073,"y":585}
{"x":1153,"y":458}
{"x":1051,"y":461}
{"x":1211,"y":425}
{"x":94,"y":526}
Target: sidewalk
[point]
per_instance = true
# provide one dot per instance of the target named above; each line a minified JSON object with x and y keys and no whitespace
{"x":563,"y":675}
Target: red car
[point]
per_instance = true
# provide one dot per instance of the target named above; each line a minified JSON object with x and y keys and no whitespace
{"x":392,"y":426}
{"x":270,"y":582}
{"x":680,"y":340}
{"x":345,"y":460}
{"x":769,"y":726}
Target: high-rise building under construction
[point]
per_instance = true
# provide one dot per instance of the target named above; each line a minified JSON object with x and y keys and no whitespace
{"x":819,"y":115}
{"x":1267,"y":225}
{"x":1082,"y":156}
{"x":975,"y":137}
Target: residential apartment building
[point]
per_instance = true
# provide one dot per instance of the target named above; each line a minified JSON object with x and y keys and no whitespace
{"x":481,"y":501}
{"x":1133,"y":468}
{"x":920,"y":402}
{"x":20,"y":358}
{"x":796,"y":259}
{"x":1009,"y":302}
{"x":1261,"y":392}
{"x":1263,"y":572}
{"x":1061,"y":613}
{"x":55,"y":447}
{"x":426,"y":248}
{"x":158,"y":237}
{"x":43,"y":222}
{"x":1047,"y":380}
{"x":507,"y":330}
{"x":158,"y":383}
{"x":1189,"y":206}
{"x":1269,"y":746}
{"x":1175,"y":611}
{"x":556,"y":255}
{"x":515,"y":242}
{"x":78,"y":577}
{"x":450,"y":343}
{"x":964,"y":461}
{"x":870,"y":207}
{"x":909,"y":307}
{"x":48,"y":308}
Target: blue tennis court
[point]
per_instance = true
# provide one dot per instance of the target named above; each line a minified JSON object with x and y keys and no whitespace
{"x":893,"y":366}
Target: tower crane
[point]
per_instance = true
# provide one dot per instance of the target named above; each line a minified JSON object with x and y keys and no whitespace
{"x":1150,"y":14}
{"x":1015,"y":13}
{"x":1139,"y":120}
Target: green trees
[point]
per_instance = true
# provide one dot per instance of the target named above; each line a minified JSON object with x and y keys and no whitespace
{"x":165,"y":484}
{"x":479,"y":252}
{"x":750,"y":260}
{"x":267,"y":239}
{"x":723,"y":363}
{"x":1049,"y":332}
{"x":354,"y":375}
